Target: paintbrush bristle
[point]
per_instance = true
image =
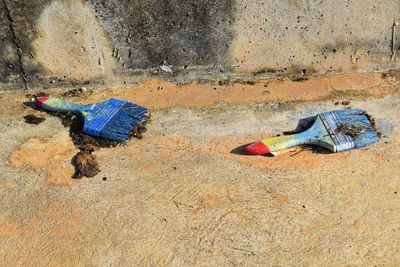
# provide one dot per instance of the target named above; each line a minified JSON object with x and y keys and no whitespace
{"x":114,"y":119}
{"x":349,"y":128}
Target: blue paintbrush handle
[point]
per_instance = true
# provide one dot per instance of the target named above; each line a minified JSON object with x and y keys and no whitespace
{"x":60,"y":105}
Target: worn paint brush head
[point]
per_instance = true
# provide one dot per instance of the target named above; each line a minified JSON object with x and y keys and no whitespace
{"x":113,"y":119}
{"x":349,"y":128}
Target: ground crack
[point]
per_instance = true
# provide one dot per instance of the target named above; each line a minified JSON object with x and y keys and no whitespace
{"x":17,"y":45}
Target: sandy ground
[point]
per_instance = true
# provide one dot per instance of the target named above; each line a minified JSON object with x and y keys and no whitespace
{"x":181,"y":197}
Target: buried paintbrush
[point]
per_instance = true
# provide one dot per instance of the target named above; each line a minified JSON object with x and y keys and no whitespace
{"x":337,"y":131}
{"x":112,"y":119}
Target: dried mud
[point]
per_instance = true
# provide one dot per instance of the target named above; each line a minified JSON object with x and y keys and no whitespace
{"x":33,"y":119}
{"x":85,"y":162}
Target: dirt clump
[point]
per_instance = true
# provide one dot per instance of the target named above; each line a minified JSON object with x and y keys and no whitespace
{"x":33,"y":119}
{"x":298,"y":78}
{"x":343,"y":103}
{"x":84,"y":161}
{"x":138,"y":131}
{"x":78,"y":92}
{"x":248,"y":82}
{"x":85,"y":165}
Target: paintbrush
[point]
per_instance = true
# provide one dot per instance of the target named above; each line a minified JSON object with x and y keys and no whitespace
{"x":112,"y":119}
{"x":337,"y":131}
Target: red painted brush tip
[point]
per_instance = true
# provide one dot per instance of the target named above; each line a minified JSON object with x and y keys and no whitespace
{"x":41,"y":99}
{"x":257,"y":148}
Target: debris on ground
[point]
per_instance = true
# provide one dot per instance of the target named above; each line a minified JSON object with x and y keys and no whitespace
{"x":166,"y":68}
{"x":373,"y":124}
{"x":85,"y":165}
{"x":246,"y":82}
{"x":139,"y":130}
{"x":85,"y":162}
{"x":298,"y":78}
{"x":78,"y":92}
{"x":81,"y":140}
{"x":33,"y":119}
{"x":344,"y":103}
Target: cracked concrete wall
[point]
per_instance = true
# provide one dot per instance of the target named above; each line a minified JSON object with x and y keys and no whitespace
{"x":56,"y":43}
{"x":9,"y":63}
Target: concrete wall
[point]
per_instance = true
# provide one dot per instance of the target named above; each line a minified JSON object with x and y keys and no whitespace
{"x":52,"y":43}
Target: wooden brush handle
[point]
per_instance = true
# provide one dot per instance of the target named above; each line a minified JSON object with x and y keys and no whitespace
{"x":284,"y":142}
{"x":59,"y":105}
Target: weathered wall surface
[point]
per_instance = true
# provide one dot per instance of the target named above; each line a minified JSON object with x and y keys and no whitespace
{"x":9,"y":64}
{"x":50,"y":43}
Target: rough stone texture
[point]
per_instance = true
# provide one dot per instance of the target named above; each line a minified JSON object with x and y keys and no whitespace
{"x":146,"y":33}
{"x":317,"y":36}
{"x":73,"y":42}
{"x":180,"y":197}
{"x":9,"y":65}
{"x":23,"y":17}
{"x":83,"y":53}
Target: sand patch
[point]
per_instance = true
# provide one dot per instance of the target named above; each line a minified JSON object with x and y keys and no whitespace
{"x":52,"y":156}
